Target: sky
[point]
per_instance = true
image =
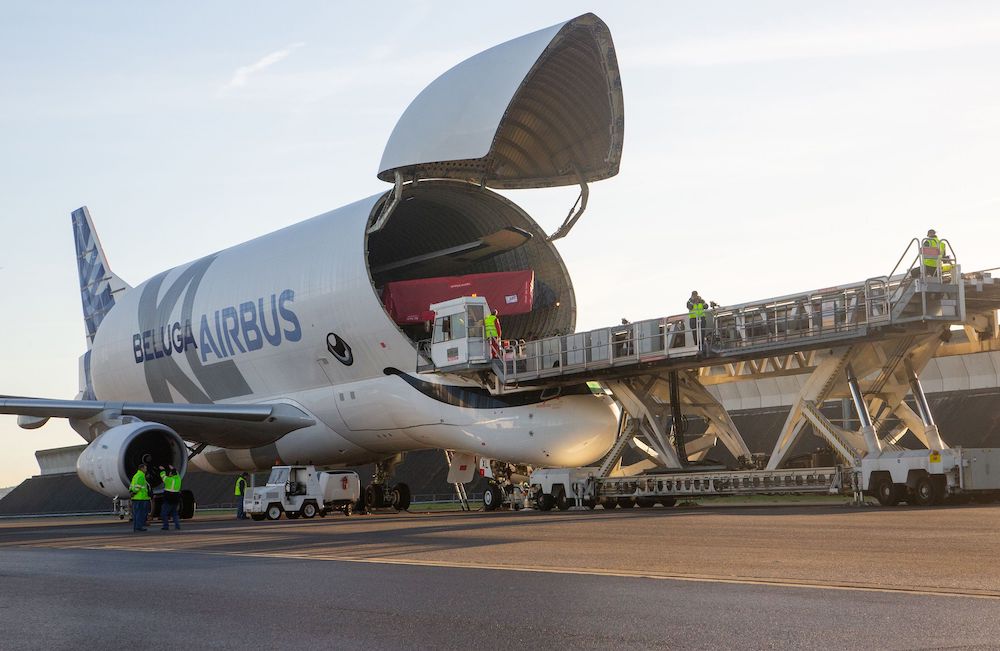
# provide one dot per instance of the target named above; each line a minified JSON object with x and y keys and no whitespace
{"x":770,"y":147}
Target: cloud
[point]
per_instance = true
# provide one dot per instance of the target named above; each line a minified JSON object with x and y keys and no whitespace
{"x":819,"y":44}
{"x":243,"y":74}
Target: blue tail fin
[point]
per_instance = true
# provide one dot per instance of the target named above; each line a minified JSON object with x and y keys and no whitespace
{"x":98,"y":286}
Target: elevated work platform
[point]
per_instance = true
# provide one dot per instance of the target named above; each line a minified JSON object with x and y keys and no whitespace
{"x":862,"y":343}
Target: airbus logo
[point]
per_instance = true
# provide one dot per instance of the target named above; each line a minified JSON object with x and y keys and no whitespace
{"x":237,"y":329}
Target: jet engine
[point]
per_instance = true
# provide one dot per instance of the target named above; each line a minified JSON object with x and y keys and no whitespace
{"x":108,"y":463}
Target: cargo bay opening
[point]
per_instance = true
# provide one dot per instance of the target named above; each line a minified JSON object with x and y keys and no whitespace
{"x":445,"y":228}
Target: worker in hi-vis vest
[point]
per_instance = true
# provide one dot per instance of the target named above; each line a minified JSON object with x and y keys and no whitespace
{"x":170,"y":508}
{"x":139,"y":491}
{"x":696,"y":306}
{"x":933,"y":251}
{"x":240,"y":490}
{"x":491,"y":330}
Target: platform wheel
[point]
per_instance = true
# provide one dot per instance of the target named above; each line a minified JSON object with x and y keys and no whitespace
{"x":646,"y":502}
{"x":625,"y":502}
{"x":546,"y":502}
{"x":562,"y":501}
{"x":925,"y":493}
{"x":492,"y":497}
{"x":309,"y":510}
{"x":668,"y":501}
{"x":886,"y":492}
{"x":273,"y":512}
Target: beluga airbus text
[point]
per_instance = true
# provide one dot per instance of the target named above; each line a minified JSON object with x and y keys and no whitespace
{"x":290,"y":348}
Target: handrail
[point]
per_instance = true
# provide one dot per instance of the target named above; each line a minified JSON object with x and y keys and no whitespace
{"x":912,"y":242}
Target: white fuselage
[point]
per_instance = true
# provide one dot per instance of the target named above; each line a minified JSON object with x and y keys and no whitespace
{"x":293,"y":317}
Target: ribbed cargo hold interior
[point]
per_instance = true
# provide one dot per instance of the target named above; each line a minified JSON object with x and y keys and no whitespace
{"x":437,"y":215}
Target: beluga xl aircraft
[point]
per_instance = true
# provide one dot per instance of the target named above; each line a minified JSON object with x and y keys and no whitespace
{"x":303,"y":346}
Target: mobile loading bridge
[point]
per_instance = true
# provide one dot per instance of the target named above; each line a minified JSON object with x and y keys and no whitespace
{"x":866,"y":342}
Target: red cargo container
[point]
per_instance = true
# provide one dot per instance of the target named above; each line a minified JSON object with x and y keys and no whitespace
{"x":409,"y":301}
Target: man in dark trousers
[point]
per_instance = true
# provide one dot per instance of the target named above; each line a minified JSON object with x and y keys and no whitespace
{"x":696,"y":306}
{"x":171,"y":497}
{"x":139,"y":491}
{"x":238,"y":493}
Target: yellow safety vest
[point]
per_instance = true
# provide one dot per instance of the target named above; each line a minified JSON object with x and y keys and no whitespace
{"x":171,"y":483}
{"x":139,"y":487}
{"x":932,"y":250}
{"x":697,"y":311}
{"x":241,"y":485}
{"x":490,"y":326}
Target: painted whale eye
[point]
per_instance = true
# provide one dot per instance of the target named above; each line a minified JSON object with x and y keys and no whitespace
{"x":339,"y":349}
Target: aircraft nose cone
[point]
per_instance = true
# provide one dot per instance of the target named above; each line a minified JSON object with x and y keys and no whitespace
{"x":585,"y":431}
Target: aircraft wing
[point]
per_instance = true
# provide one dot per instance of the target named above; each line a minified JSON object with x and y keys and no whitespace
{"x":225,"y":425}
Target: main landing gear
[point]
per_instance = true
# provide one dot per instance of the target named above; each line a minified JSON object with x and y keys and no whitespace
{"x":379,"y":494}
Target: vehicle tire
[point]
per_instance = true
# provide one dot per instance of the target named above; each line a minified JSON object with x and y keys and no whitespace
{"x":925,"y":492}
{"x":886,"y":492}
{"x":546,"y":502}
{"x":668,"y":501}
{"x":309,"y":510}
{"x":273,"y":512}
{"x":348,"y":509}
{"x":257,"y":517}
{"x":563,"y":502}
{"x":492,"y":497}
{"x":401,"y":497}
{"x":625,"y":502}
{"x":646,"y":502}
{"x":373,"y":496}
{"x":292,"y":515}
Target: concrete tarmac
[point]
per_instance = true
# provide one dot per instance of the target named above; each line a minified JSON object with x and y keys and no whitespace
{"x":746,"y":577}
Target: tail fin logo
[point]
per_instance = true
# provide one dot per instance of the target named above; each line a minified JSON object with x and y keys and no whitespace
{"x":97,"y":284}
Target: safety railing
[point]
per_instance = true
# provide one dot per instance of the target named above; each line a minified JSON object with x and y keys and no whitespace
{"x":625,"y":344}
{"x":830,"y":314}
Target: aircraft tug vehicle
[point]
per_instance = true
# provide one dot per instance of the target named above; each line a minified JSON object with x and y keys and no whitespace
{"x":303,"y":491}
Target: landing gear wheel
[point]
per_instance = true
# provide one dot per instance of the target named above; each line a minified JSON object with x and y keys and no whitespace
{"x":925,"y":492}
{"x":308,"y":510}
{"x":625,"y":502}
{"x":492,"y":497}
{"x":256,"y":517}
{"x":546,"y":502}
{"x":886,"y":492}
{"x":401,"y":497}
{"x":273,"y":512}
{"x":373,"y":497}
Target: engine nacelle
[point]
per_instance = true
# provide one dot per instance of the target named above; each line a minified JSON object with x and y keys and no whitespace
{"x":108,"y":463}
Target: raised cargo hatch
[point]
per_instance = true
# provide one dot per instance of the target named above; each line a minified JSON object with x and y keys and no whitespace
{"x":542,"y":110}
